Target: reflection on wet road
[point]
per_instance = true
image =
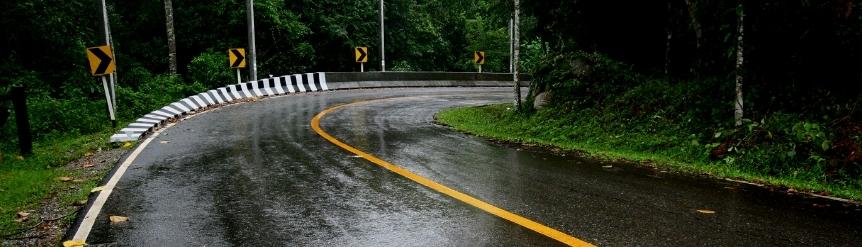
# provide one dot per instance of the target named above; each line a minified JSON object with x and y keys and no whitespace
{"x":257,"y":175}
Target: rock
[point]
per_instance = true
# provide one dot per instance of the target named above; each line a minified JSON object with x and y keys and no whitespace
{"x":541,"y":100}
{"x":581,"y":68}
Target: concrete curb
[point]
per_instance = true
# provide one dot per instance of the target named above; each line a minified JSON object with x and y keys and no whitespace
{"x":301,"y":83}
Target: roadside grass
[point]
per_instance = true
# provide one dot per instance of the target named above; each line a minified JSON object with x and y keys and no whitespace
{"x":26,"y":181}
{"x":664,"y":145}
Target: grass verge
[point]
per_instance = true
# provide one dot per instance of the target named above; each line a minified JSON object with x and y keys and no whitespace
{"x":668,"y":147}
{"x":27,"y":182}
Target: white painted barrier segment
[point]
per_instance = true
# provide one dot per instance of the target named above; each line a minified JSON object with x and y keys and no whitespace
{"x":141,"y":125}
{"x":225,"y":94}
{"x":191,"y":105}
{"x":206,"y":96}
{"x":277,"y":85}
{"x":323,"y":81}
{"x":133,"y":130}
{"x":267,"y":87}
{"x":311,"y":85}
{"x":234,"y":92}
{"x":155,"y":116}
{"x":298,"y":82}
{"x":216,"y":97}
{"x":288,"y":81}
{"x":124,"y":138}
{"x":255,"y":88}
{"x":147,"y":120}
{"x":172,"y":110}
{"x":200,"y":102}
{"x":181,"y":107}
{"x":245,"y":90}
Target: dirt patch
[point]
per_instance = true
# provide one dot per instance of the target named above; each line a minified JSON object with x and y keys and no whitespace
{"x":46,"y":225}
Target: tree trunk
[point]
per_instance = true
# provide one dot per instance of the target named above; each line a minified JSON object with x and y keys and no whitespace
{"x":698,"y":33}
{"x":669,"y":32}
{"x":739,"y":64}
{"x":692,"y":14}
{"x":517,"y":60}
{"x":172,"y":39}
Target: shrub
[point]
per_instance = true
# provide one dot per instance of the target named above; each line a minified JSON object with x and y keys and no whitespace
{"x":211,"y":70}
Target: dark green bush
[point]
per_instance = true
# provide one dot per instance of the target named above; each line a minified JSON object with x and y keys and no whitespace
{"x":211,"y":70}
{"x":582,"y":78}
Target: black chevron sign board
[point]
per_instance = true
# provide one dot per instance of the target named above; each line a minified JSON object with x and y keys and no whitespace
{"x":361,"y":54}
{"x":236,"y":56}
{"x":479,"y":57}
{"x":101,"y":60}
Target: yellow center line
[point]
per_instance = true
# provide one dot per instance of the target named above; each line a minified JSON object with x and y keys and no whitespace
{"x":499,"y":212}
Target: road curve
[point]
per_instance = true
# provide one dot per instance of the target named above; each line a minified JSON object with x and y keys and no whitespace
{"x":256,"y":174}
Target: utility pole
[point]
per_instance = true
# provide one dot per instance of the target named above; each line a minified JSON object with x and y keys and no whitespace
{"x":517,"y":48}
{"x":112,"y":78}
{"x":382,"y":41}
{"x":252,"y":57}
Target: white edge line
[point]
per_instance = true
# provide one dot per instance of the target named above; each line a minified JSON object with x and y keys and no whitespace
{"x":95,"y":209}
{"x":90,"y":218}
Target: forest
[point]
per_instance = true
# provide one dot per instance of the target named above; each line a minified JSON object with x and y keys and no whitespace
{"x":762,"y":90}
{"x":45,"y":41}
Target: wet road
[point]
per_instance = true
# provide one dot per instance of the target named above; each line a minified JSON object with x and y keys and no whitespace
{"x":256,"y":174}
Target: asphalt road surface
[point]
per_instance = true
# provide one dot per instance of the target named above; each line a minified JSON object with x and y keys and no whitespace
{"x":256,"y":174}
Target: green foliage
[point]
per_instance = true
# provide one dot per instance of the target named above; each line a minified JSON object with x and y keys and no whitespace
{"x":153,"y":93}
{"x":210,"y":69}
{"x":779,"y":151}
{"x":582,"y":78}
{"x":532,"y":54}
{"x":26,"y":182}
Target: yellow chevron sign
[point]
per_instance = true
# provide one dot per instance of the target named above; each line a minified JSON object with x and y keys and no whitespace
{"x":361,"y":54}
{"x":479,"y":57}
{"x":101,"y":60}
{"x":236,"y":56}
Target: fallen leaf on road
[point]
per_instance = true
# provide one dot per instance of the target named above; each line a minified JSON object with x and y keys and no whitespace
{"x":127,"y":145}
{"x":164,"y":142}
{"x":22,"y":216}
{"x":64,"y":179}
{"x":118,"y":219}
{"x":705,"y":211}
{"x":97,"y":189}
{"x":74,"y":243}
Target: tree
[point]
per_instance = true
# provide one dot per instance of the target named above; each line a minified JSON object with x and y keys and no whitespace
{"x":517,"y":60}
{"x":172,"y":39}
{"x":739,"y":64}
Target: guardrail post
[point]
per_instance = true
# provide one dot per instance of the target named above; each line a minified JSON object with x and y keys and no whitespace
{"x":22,"y":120}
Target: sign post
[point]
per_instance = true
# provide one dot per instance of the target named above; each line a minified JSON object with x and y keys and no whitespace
{"x":361,"y":54}
{"x":236,"y":58}
{"x":102,"y":64}
{"x":479,"y":58}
